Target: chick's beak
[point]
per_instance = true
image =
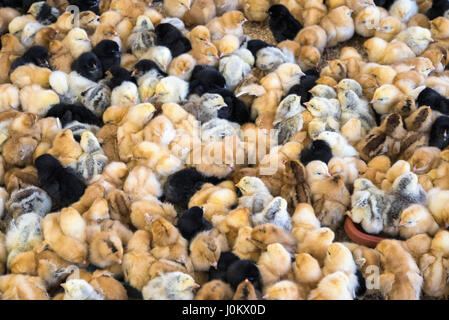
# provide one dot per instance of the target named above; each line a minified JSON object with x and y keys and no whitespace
{"x":402,"y":223}
{"x":215,"y":265}
{"x":196,"y":285}
{"x":374,"y":101}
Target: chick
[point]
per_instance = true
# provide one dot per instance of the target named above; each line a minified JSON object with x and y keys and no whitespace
{"x":160,"y":55}
{"x":437,"y":198}
{"x":274,"y":263}
{"x":78,"y":42}
{"x":200,"y":13}
{"x":170,"y":286}
{"x":269,"y":58}
{"x":177,"y":8}
{"x":36,"y":100}
{"x":233,"y":69}
{"x":401,"y":278}
{"x":339,"y":145}
{"x":229,"y":23}
{"x":245,"y":291}
{"x":404,"y":9}
{"x":9,"y":97}
{"x":282,"y":24}
{"x":255,"y":194}
{"x":284,"y":290}
{"x":22,"y":287}
{"x":335,"y":286}
{"x":416,"y":219}
{"x":214,"y":290}
{"x":339,"y":25}
{"x":385,"y":97}
{"x":367,"y":21}
{"x":182,"y":66}
{"x":275,"y":212}
{"x":43,"y":12}
{"x":416,"y":38}
{"x":205,"y":53}
{"x":316,"y":242}
{"x":142,"y":37}
{"x":79,"y":289}
{"x":388,"y":28}
{"x":171,"y":89}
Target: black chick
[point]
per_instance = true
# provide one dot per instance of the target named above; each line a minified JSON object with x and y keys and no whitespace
{"x":191,"y":222}
{"x":302,"y":89}
{"x":44,"y":13}
{"x":145,"y":65}
{"x":316,"y":150}
{"x":119,"y":75}
{"x":439,"y":134}
{"x":255,"y":45}
{"x":241,"y":270}
{"x":205,"y":79}
{"x":282,"y":24}
{"x":170,"y":37}
{"x":63,"y":186}
{"x":86,"y":5}
{"x":361,"y":284}
{"x":224,"y":262}
{"x":384,"y":3}
{"x":236,"y":111}
{"x":108,"y":52}
{"x":433,"y":99}
{"x":182,"y":185}
{"x":73,"y":112}
{"x":89,"y":66}
{"x":439,"y":8}
{"x":37,"y":55}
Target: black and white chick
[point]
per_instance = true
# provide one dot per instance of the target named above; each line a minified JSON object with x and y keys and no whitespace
{"x":316,"y":150}
{"x":255,"y":45}
{"x":116,"y":75}
{"x":97,"y":98}
{"x":73,"y":112}
{"x":307,"y":82}
{"x":169,"y":36}
{"x":89,"y":66}
{"x":206,"y":107}
{"x":204,"y":79}
{"x":282,"y":24}
{"x":236,"y":111}
{"x":182,"y":185}
{"x":108,"y":51}
{"x":44,"y":13}
{"x":192,"y":222}
{"x":36,"y":55}
{"x":406,"y":191}
{"x":439,"y":133}
{"x":63,"y":186}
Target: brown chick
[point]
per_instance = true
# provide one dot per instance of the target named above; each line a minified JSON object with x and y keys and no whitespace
{"x":433,"y":267}
{"x":106,"y":249}
{"x":401,"y":278}
{"x":284,"y":290}
{"x":18,"y":151}
{"x":316,"y":243}
{"x":182,"y":66}
{"x":138,"y":260}
{"x":30,"y":74}
{"x":199,"y":34}
{"x":307,"y":270}
{"x":229,"y":23}
{"x":128,"y":8}
{"x":7,"y":14}
{"x":110,"y":288}
{"x":205,"y":53}
{"x":200,"y":13}
{"x":44,"y":36}
{"x":89,"y":21}
{"x":65,"y":148}
{"x":244,"y":247}
{"x":245,"y":291}
{"x":339,"y":25}
{"x":204,"y":251}
{"x":232,"y":223}
{"x":105,"y":32}
{"x":22,"y":287}
{"x":256,"y":10}
{"x":266,"y":234}
{"x":214,"y":290}
{"x":167,"y":241}
{"x":418,"y":245}
{"x":60,"y":56}
{"x":274,"y":263}
{"x":314,"y":36}
{"x":177,"y":8}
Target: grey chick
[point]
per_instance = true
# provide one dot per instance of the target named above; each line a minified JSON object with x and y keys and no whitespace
{"x":350,"y":84}
{"x":275,"y":213}
{"x":369,"y":205}
{"x":352,"y":106}
{"x":216,"y":129}
{"x":97,"y":98}
{"x":93,"y":160}
{"x":406,"y":191}
{"x":323,"y":91}
{"x":288,"y":118}
{"x":269,"y":58}
{"x":206,"y":107}
{"x":233,"y":68}
{"x":142,"y":37}
{"x":255,"y":195}
{"x":27,"y":200}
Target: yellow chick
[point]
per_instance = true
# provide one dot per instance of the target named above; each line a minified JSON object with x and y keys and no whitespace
{"x":37,"y":100}
{"x":416,"y":219}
